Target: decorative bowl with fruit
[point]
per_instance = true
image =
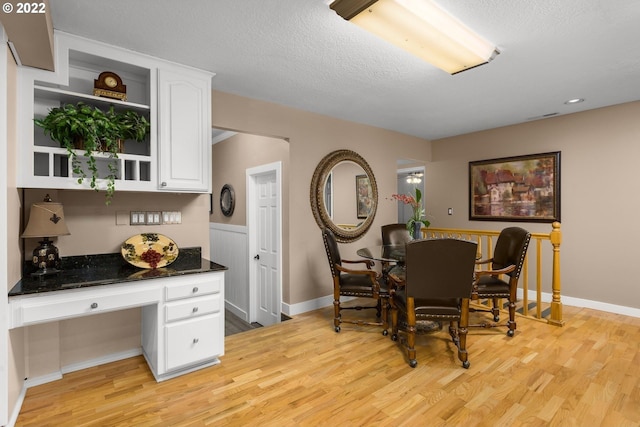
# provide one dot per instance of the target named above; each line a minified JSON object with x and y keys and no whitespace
{"x":149,"y":250}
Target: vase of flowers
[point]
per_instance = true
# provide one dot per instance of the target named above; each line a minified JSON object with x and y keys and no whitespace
{"x":418,"y":219}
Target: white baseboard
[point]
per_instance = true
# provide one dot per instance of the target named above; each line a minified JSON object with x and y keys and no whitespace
{"x":236,"y":310}
{"x":114,"y":357}
{"x":585,"y":303}
{"x":303,"y":307}
{"x":54,"y":376}
{"x":310,"y":305}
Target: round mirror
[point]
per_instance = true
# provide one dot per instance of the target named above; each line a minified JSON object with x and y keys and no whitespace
{"x":344,"y":195}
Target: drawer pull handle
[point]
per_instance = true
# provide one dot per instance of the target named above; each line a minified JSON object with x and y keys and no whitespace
{"x":195,"y":289}
{"x":195,"y":309}
{"x":195,"y":340}
{"x":94,"y":305}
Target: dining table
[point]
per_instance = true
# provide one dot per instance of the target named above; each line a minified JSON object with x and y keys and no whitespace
{"x":384,"y":253}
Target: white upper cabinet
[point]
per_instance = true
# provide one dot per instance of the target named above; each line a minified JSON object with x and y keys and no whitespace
{"x":176,"y":100}
{"x":184,"y":101}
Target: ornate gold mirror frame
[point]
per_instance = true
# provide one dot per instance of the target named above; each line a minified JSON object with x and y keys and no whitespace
{"x":318,"y":206}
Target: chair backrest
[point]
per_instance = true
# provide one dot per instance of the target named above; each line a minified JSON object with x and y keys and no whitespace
{"x":333,"y":253}
{"x":440,"y":268}
{"x":511,"y":249}
{"x":395,"y":234}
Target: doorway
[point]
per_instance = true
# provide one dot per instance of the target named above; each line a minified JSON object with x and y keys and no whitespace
{"x":409,"y":179}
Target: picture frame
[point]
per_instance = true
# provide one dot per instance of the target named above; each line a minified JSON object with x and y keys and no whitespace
{"x":364,"y":200}
{"x":520,"y":188}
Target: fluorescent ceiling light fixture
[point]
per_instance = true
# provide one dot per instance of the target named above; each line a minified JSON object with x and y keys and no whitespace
{"x":422,"y":28}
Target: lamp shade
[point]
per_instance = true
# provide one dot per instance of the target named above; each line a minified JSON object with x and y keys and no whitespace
{"x":46,"y":219}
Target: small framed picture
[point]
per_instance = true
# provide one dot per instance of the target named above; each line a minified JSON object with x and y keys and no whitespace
{"x":363,"y":196}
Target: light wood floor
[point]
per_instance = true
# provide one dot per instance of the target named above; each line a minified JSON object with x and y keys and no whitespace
{"x":302,"y":373}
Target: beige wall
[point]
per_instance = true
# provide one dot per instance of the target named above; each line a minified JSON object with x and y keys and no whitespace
{"x":599,"y":149}
{"x":599,"y":193}
{"x":230,"y":160}
{"x":93,"y":228}
{"x":311,"y":137}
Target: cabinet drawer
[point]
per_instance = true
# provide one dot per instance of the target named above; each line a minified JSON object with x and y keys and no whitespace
{"x":193,"y":341}
{"x":58,"y":307}
{"x":192,"y":307}
{"x":195,"y":288}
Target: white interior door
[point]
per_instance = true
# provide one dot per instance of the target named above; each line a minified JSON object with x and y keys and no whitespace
{"x":265,"y":225}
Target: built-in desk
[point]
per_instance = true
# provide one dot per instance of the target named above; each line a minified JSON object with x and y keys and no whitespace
{"x":182,"y":304}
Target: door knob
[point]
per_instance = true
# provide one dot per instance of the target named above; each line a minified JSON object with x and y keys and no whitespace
{"x":257,"y":256}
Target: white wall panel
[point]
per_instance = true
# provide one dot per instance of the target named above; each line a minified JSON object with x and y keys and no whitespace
{"x":228,"y":245}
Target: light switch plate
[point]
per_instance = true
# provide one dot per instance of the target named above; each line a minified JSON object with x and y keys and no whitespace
{"x":138,"y":218}
{"x":154,"y":218}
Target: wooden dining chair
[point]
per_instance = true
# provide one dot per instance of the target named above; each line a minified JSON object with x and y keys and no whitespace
{"x":394,"y":235}
{"x":355,"y":283}
{"x":508,"y":259}
{"x":436,"y":288}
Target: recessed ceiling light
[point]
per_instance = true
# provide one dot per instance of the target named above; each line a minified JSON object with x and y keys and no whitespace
{"x":574,"y":101}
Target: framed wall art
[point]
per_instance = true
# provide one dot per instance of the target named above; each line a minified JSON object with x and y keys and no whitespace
{"x":521,"y":188}
{"x":363,"y":196}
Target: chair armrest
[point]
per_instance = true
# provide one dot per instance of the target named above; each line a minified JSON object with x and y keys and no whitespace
{"x":505,"y":270}
{"x":374,"y":275}
{"x":484,"y":261}
{"x":395,"y":282}
{"x":368,"y":262}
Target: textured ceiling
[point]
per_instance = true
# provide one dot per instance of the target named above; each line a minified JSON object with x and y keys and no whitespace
{"x":299,"y":53}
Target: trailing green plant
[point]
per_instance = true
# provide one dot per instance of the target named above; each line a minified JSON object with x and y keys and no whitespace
{"x":132,"y":125}
{"x":99,"y":131}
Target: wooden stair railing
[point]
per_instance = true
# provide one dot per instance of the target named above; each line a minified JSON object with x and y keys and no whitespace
{"x":536,"y":304}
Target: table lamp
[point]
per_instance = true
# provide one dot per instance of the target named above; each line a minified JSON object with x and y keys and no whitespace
{"x":46,"y":220}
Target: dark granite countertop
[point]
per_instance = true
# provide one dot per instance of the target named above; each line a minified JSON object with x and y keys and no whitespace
{"x":106,"y":269}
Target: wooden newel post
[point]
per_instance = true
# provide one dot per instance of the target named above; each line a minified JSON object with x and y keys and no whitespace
{"x":556,"y":304}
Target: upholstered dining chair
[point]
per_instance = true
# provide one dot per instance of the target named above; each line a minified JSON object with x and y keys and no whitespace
{"x":394,"y":234}
{"x":508,"y":258}
{"x":437,"y":286}
{"x":355,"y":283}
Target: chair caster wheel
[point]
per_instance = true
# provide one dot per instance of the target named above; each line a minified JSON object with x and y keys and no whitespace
{"x":510,"y":332}
{"x":466,"y":364}
{"x":413,"y":363}
{"x":496,"y":318}
{"x":337,"y":328}
{"x":394,"y":337}
{"x":385,"y":332}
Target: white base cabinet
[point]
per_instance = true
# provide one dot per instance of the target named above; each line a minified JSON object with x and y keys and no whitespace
{"x":185,"y":331}
{"x":182,"y":316}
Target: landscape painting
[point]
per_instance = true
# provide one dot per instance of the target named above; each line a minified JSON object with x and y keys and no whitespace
{"x":522,"y":188}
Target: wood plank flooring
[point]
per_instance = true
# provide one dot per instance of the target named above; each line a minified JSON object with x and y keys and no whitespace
{"x":302,"y":373}
{"x":234,"y":324}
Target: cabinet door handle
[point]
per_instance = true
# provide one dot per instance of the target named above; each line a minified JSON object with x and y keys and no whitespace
{"x":195,"y":309}
{"x":195,"y":289}
{"x":195,"y":340}
{"x":94,"y":305}
{"x":164,"y":184}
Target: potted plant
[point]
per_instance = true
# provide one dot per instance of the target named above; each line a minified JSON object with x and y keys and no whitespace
{"x":88,"y":128}
{"x":414,"y":225}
